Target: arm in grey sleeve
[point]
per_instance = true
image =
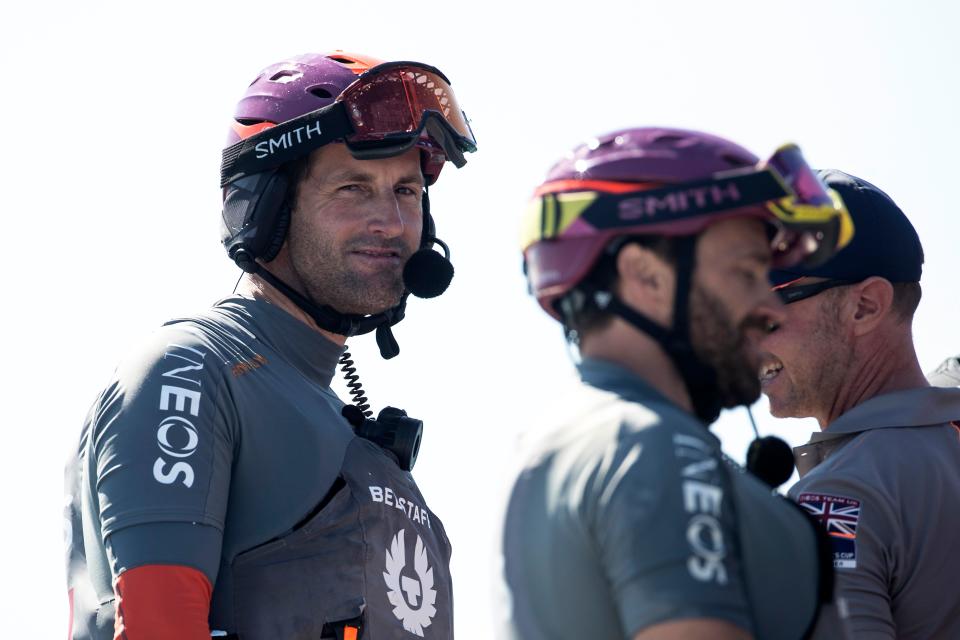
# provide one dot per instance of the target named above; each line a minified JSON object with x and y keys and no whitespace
{"x":166,"y":543}
{"x":666,"y":534}
{"x":163,"y":448}
{"x":863,"y":558}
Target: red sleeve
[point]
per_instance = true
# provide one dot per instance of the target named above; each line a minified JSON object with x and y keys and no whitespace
{"x":157,"y":602}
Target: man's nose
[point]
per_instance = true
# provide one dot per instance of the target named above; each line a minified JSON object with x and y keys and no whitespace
{"x":385,"y":217}
{"x":773,"y":311}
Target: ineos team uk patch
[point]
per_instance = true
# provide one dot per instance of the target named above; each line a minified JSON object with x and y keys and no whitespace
{"x":839,"y":516}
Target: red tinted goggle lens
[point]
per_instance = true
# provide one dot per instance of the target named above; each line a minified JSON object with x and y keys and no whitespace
{"x":394,"y":99}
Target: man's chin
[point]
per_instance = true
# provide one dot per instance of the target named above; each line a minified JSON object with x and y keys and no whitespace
{"x":778,"y":409}
{"x":783,"y":412}
{"x":370,"y":307}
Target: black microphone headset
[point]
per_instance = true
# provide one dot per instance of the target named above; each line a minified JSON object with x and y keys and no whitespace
{"x":769,"y":458}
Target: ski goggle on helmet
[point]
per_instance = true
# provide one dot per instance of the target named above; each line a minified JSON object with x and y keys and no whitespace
{"x":386,"y":111}
{"x":671,"y":182}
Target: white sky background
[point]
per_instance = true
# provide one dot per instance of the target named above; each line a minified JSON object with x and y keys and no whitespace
{"x":114,"y":115}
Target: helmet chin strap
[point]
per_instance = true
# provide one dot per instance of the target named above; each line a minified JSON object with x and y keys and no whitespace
{"x":329,"y":319}
{"x":699,"y":377}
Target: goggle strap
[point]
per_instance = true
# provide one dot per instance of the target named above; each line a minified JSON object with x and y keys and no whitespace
{"x":288,"y":141}
{"x":685,"y":200}
{"x":441,"y":131}
{"x":387,"y":66}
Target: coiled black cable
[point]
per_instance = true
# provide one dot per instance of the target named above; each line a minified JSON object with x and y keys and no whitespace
{"x":353,"y":383}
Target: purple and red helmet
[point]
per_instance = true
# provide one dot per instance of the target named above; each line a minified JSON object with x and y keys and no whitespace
{"x":670,"y":182}
{"x":376,"y":108}
{"x":293,"y":87}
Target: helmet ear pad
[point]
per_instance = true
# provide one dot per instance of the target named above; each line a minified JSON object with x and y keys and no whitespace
{"x":256,"y":216}
{"x":272,"y":213}
{"x":278,"y":199}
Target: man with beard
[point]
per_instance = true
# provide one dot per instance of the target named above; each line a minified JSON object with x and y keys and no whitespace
{"x":652,"y":246}
{"x":883,"y":475}
{"x":220,"y":487}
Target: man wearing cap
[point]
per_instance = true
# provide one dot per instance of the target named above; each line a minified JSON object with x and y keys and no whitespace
{"x":883,"y":474}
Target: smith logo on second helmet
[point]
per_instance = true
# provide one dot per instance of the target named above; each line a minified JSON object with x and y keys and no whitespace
{"x":413,"y":599}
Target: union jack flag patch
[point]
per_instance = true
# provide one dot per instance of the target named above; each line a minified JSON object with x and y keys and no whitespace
{"x":839,"y":516}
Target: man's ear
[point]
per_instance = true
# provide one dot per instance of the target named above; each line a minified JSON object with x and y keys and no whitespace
{"x":646,"y":282}
{"x":871,"y":302}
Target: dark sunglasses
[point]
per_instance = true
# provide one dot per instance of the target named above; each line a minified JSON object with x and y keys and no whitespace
{"x":795,"y":293}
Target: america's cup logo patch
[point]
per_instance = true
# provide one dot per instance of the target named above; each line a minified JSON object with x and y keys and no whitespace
{"x":413,"y":598}
{"x":839,"y":516}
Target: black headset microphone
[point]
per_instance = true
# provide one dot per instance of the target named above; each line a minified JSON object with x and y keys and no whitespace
{"x":769,"y":458}
{"x":427,"y":274}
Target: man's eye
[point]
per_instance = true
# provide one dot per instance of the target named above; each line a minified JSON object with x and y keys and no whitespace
{"x":406,"y":191}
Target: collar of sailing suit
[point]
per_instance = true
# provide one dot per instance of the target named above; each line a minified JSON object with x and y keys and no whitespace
{"x":617,"y":379}
{"x":310,"y":352}
{"x":922,"y":407}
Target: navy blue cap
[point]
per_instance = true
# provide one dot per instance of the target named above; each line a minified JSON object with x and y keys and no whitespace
{"x":884,"y":242}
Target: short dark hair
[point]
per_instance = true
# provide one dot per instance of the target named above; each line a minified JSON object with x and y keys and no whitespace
{"x":581,"y":314}
{"x":906,"y":299}
{"x":297,"y":172}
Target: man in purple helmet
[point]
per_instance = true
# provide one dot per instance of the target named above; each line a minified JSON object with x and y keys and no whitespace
{"x":652,"y":247}
{"x":220,"y":487}
{"x":883,"y":472}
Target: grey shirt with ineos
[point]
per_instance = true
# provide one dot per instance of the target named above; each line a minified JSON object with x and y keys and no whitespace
{"x":221,"y":447}
{"x":629,"y":515}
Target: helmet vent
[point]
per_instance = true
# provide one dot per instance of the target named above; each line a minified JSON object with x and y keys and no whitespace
{"x":669,"y":138}
{"x":320,"y":92}
{"x":286,"y":75}
{"x":735,"y":161}
{"x":342,"y":60}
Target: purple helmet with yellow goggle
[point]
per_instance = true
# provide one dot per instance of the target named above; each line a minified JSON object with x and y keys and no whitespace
{"x":376,"y":109}
{"x":670,"y":182}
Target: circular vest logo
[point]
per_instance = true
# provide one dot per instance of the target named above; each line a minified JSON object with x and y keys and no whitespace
{"x":413,"y":599}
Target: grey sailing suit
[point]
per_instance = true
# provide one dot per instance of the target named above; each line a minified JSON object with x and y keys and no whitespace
{"x":629,"y":515}
{"x":220,"y":446}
